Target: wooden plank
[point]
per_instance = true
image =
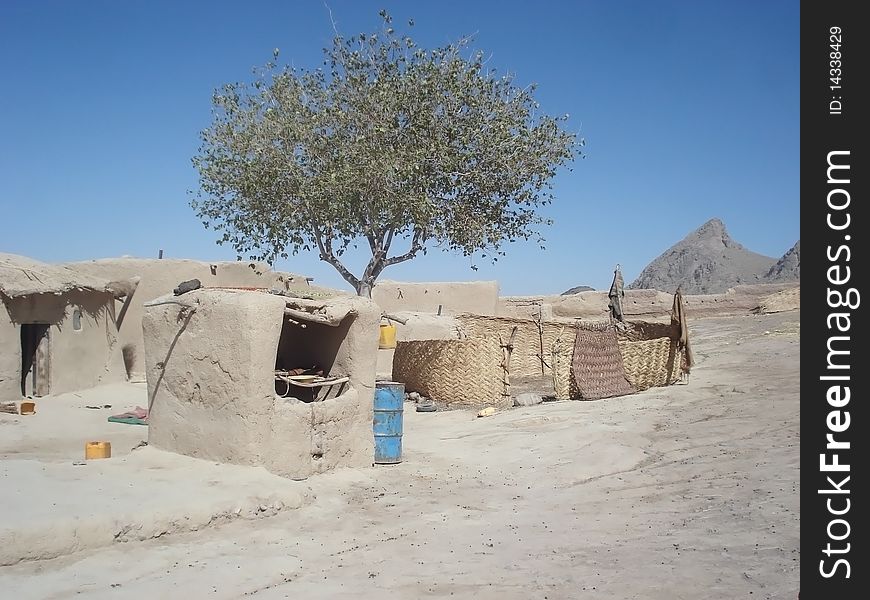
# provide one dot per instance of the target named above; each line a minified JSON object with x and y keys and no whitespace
{"x":316,"y":384}
{"x":42,"y":366}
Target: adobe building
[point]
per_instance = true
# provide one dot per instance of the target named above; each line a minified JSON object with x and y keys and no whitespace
{"x":262,"y":379}
{"x":157,"y":277}
{"x":57,"y":330}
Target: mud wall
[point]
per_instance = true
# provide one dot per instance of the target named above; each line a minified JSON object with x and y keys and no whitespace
{"x":210,"y":368}
{"x":78,"y":358}
{"x":638,"y":304}
{"x":478,"y":297}
{"x":10,"y":356}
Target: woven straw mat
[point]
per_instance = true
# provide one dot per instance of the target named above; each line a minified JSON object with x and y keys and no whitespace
{"x":597,"y":365}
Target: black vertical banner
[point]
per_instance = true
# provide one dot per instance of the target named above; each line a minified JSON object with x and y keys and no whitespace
{"x":834,"y":173}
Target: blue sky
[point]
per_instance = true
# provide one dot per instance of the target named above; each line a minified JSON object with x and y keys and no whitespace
{"x":690,"y":110}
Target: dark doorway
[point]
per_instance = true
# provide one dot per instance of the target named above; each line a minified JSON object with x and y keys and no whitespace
{"x":35,"y":368}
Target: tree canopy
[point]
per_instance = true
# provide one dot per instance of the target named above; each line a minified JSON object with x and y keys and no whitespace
{"x":387,"y":144}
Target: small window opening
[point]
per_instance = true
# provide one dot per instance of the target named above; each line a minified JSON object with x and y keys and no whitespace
{"x":77,"y":318}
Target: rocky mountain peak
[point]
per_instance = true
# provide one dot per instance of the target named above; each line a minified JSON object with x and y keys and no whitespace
{"x":712,"y":233}
{"x":712,"y":228}
{"x":707,"y":261}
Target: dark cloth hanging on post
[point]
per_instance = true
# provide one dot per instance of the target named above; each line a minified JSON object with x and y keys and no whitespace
{"x":616,"y":294}
{"x":678,"y":319}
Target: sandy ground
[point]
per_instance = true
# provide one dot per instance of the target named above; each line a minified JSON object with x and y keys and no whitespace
{"x":686,"y":492}
{"x":53,"y":509}
{"x":55,"y":503}
{"x":63,"y":424}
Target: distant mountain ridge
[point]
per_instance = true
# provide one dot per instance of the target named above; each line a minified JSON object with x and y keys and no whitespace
{"x":577,"y":290}
{"x":709,"y":261}
{"x":788,"y":267}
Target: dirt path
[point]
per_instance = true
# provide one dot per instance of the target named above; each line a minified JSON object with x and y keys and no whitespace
{"x":686,"y":492}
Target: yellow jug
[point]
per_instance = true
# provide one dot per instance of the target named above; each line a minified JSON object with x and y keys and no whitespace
{"x":388,"y":336}
{"x":98,"y":450}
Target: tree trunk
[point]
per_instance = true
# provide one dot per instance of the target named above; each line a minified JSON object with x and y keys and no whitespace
{"x":364,"y":289}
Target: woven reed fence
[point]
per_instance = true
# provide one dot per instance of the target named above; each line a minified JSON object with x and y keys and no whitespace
{"x":561,"y":357}
{"x":650,"y":354}
{"x":586,"y":360}
{"x":603,"y":361}
{"x":533,"y":343}
{"x":454,"y":372}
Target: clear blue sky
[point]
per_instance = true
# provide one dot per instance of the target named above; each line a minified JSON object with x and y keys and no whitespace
{"x":690,"y":111}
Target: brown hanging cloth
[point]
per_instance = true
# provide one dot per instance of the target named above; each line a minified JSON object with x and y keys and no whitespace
{"x":678,"y":319}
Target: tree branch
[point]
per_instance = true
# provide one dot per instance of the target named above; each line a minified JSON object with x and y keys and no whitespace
{"x":327,"y":255}
{"x":416,"y":245}
{"x":373,"y":244}
{"x":388,"y":240}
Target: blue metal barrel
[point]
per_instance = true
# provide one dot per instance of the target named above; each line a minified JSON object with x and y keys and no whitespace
{"x":387,"y":425}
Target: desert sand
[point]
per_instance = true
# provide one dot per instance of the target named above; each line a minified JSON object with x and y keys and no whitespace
{"x":690,"y":491}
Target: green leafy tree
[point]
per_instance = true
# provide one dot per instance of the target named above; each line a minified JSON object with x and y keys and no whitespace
{"x":387,"y":143}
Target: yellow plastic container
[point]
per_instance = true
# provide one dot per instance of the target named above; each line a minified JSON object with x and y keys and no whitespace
{"x":27,"y":408}
{"x":388,"y":336}
{"x":98,"y":450}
